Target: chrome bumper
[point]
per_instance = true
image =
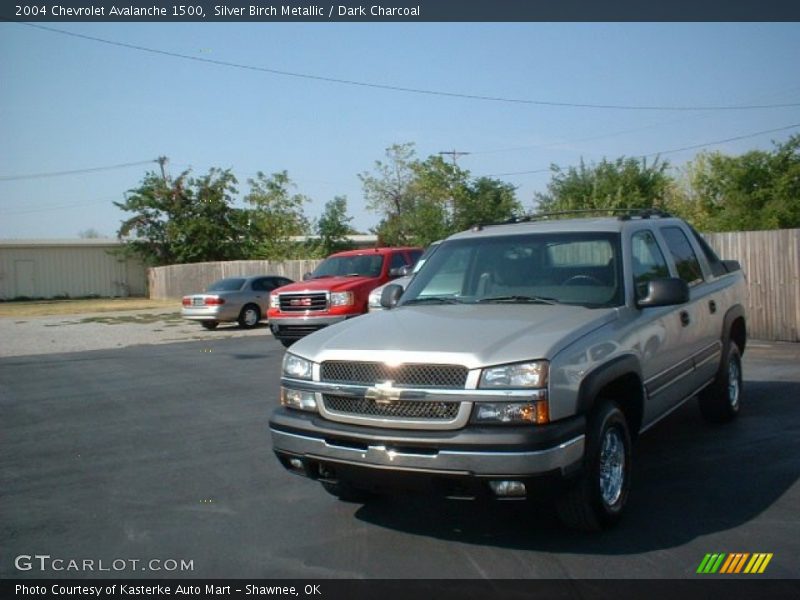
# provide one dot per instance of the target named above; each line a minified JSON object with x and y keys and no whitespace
{"x":443,"y":461}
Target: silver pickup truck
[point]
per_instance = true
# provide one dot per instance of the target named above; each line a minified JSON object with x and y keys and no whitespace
{"x":523,"y":360}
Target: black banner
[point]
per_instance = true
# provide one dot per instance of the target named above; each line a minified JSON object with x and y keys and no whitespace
{"x":444,"y":589}
{"x":398,"y":10}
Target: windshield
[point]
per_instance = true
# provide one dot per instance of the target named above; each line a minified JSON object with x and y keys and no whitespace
{"x":226,"y":285}
{"x":366,"y":265}
{"x":551,"y":268}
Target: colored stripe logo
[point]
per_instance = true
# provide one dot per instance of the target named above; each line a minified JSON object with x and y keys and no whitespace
{"x":734,"y":563}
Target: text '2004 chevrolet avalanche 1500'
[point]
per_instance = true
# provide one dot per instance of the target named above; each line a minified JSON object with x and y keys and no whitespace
{"x":524,"y":358}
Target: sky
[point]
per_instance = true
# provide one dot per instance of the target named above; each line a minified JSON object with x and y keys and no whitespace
{"x":69,"y":103}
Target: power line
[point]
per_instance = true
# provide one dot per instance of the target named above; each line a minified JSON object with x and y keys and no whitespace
{"x":75,"y":172}
{"x":410,"y":90}
{"x":57,"y":207}
{"x":672,"y":151}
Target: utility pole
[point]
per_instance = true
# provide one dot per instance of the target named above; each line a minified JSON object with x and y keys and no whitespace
{"x":162,"y":160}
{"x":453,"y":154}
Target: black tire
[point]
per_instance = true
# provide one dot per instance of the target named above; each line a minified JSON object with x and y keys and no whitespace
{"x":597,"y":498}
{"x":722,"y":400}
{"x":347,"y":493}
{"x":209,"y":324}
{"x":249,"y":317}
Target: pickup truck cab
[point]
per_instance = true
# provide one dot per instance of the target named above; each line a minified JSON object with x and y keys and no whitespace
{"x":338,"y":289}
{"x":523,"y":360}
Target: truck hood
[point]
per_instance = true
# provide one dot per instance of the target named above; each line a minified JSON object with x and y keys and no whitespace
{"x":470,"y":335}
{"x":330,"y":284}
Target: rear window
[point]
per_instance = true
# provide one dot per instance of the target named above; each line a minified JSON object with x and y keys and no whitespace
{"x":226,"y":285}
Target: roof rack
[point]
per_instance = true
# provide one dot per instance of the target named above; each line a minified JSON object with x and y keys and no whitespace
{"x":623,"y":214}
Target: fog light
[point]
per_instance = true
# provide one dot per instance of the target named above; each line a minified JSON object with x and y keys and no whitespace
{"x":298,"y":399}
{"x":296,"y":464}
{"x":508,"y":489}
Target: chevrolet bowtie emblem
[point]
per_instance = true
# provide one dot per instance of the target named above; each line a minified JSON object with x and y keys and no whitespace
{"x":383,"y":393}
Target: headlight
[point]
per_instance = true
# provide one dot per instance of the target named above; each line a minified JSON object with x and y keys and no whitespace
{"x":341,"y":298}
{"x":296,"y":367}
{"x":374,"y":301}
{"x":274,"y":301}
{"x":515,"y":376}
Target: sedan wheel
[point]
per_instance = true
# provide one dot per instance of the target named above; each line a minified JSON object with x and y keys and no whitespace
{"x":250,"y":316}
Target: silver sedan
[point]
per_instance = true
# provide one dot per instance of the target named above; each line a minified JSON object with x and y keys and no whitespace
{"x":241,"y":299}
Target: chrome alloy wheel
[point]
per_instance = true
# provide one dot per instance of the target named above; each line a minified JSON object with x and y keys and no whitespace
{"x":734,"y":388}
{"x":612,"y":466}
{"x":251,"y":317}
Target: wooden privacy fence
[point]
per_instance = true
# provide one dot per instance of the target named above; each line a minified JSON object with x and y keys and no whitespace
{"x":176,"y":281}
{"x":770,"y":259}
{"x":771,"y":262}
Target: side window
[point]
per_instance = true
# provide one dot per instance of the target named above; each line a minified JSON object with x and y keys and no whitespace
{"x":414,"y":256}
{"x":717,"y":268}
{"x":683,"y":254}
{"x":398,"y":260}
{"x":260,"y":285}
{"x":648,"y":261}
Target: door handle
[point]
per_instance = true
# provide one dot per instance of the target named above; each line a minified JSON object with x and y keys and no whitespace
{"x":712,"y":306}
{"x":685,"y":319}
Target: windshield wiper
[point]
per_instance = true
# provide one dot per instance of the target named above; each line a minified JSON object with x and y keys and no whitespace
{"x":518,"y":300}
{"x":434,"y":300}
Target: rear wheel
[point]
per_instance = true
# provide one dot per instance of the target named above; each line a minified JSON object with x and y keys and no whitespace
{"x":597,"y":498}
{"x":250,"y":316}
{"x":721,"y":401}
{"x":209,"y":324}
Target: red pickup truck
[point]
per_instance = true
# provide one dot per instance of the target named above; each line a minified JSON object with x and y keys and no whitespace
{"x":338,"y":289}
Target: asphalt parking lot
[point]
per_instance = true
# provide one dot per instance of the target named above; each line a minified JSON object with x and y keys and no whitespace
{"x":162,"y":452}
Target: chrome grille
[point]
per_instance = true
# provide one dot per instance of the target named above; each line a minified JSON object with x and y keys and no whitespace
{"x":303,"y":302}
{"x":401,"y":409}
{"x":409,"y":375}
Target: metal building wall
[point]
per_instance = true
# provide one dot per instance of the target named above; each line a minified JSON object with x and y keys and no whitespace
{"x":72,"y":268}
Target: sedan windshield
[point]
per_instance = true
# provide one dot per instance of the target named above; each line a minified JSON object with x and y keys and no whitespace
{"x":365,"y":265}
{"x":534,"y":269}
{"x":227,"y":285}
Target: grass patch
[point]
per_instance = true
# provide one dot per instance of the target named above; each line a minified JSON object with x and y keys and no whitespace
{"x":49,"y":308}
{"x":144,"y":319}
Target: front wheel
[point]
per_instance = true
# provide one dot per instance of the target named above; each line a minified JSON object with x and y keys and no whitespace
{"x":721,"y":401}
{"x":597,"y":498}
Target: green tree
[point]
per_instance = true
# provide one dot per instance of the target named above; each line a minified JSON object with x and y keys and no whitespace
{"x":333,"y":227}
{"x":756,"y":190}
{"x":423,"y":201}
{"x":183,"y":220}
{"x":277,"y":216}
{"x":623,"y":183}
{"x":388,"y":192}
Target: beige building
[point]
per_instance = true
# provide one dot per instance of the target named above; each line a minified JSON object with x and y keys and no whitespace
{"x":68,"y":268}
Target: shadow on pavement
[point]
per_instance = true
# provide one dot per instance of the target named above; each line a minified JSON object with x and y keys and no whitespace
{"x":690,"y":479}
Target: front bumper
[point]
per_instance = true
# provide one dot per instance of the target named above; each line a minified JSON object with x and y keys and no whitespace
{"x":294,"y":328}
{"x":366,"y":455}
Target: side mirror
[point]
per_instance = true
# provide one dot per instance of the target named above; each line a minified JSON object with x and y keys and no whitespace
{"x":390,"y":295}
{"x":732,"y":265}
{"x":306,"y":276}
{"x":665,"y":292}
{"x":400,"y":271}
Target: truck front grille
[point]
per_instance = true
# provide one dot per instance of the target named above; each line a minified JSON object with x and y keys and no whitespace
{"x":409,"y":375}
{"x":402,"y":409}
{"x":303,"y":301}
